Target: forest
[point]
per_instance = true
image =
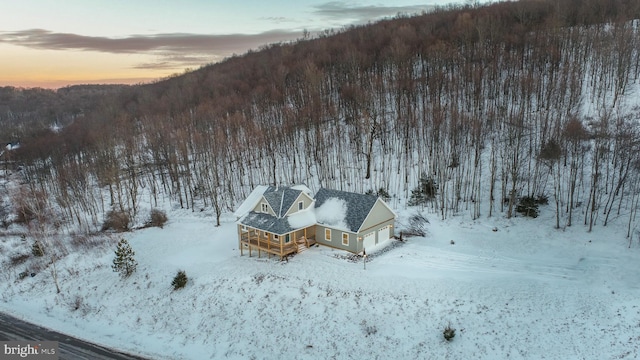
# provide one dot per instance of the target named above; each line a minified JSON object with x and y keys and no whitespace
{"x":488,"y":104}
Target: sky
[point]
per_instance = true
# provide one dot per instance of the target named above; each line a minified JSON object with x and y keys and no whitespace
{"x":51,"y":43}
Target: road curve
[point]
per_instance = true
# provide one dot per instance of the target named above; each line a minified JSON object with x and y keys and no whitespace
{"x":70,"y":348}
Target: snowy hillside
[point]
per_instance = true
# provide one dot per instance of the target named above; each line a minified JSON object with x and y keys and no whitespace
{"x":525,"y":291}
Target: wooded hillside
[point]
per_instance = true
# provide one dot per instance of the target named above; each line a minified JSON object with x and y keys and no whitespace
{"x":488,"y":104}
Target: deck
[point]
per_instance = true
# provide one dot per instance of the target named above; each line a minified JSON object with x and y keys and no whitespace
{"x":254,"y":241}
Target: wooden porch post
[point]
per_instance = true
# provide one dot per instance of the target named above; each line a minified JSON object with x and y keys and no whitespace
{"x":306,"y":241}
{"x":240,"y":238}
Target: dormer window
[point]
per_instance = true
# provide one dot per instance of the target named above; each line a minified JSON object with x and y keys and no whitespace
{"x":300,"y":205}
{"x":265,"y":208}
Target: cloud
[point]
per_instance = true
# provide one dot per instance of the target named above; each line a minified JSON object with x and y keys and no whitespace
{"x":278,"y":19}
{"x":339,"y":10}
{"x":176,"y":50}
{"x":172,"y":43}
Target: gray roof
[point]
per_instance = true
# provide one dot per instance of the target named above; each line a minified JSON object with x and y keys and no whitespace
{"x":358,"y":205}
{"x":281,"y":198}
{"x":267,"y":222}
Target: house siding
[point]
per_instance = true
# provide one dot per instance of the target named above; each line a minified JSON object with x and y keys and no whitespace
{"x":258,"y":207}
{"x":336,"y":239}
{"x":375,"y":230}
{"x":306,"y":200}
{"x":378,"y":215}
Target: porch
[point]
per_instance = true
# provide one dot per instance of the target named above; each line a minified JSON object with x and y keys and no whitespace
{"x":272,"y":244}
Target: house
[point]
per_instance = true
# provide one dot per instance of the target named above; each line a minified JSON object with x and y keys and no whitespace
{"x":286,"y":220}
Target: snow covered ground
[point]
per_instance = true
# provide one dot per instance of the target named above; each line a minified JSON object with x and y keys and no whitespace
{"x":525,"y":291}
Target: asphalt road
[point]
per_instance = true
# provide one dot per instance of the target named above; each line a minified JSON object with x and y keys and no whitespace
{"x":13,"y":329}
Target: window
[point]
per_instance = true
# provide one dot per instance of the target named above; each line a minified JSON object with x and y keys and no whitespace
{"x":275,"y":237}
{"x":244,"y":228}
{"x":265,"y":207}
{"x":345,"y":239}
{"x":287,"y":239}
{"x":327,"y":234}
{"x":300,"y":205}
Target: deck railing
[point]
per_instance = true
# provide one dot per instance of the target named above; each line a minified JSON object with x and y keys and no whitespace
{"x":254,"y":241}
{"x":269,"y":246}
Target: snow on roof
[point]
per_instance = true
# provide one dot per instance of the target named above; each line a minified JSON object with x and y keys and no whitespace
{"x":333,"y":212}
{"x":251,"y":201}
{"x":303,"y":188}
{"x":358,"y":206}
{"x":340,"y":210}
{"x":303,"y":218}
{"x":12,"y":146}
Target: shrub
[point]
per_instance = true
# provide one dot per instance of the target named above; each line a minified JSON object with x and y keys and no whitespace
{"x":117,"y":221}
{"x":76,"y":303}
{"x":180,"y":280}
{"x":528,"y":206}
{"x":157,"y":218}
{"x":369,"y":330}
{"x":37,"y":249}
{"x":80,"y":241}
{"x":124,"y":263}
{"x":24,"y":214}
{"x":418,"y":225}
{"x":449,"y":333}
{"x":5,"y":216}
{"x":542,"y":199}
{"x":30,"y":206}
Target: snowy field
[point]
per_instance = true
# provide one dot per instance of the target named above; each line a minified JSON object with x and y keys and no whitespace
{"x":525,"y":291}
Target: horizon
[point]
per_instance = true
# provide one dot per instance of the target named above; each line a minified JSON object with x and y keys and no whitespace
{"x":57,"y":45}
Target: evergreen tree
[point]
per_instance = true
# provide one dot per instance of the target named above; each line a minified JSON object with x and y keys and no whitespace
{"x":424,"y":192}
{"x":37,"y":249}
{"x":180,"y":280}
{"x":124,"y":263}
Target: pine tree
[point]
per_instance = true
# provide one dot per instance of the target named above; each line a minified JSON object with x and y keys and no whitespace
{"x":180,"y":280}
{"x":124,"y":263}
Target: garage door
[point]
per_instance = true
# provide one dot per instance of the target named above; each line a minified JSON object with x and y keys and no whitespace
{"x":384,"y":234}
{"x":369,"y":240}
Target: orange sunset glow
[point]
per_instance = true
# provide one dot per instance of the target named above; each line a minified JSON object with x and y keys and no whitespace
{"x":52,"y":45}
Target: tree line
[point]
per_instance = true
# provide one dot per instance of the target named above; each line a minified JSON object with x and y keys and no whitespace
{"x":492,"y":103}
